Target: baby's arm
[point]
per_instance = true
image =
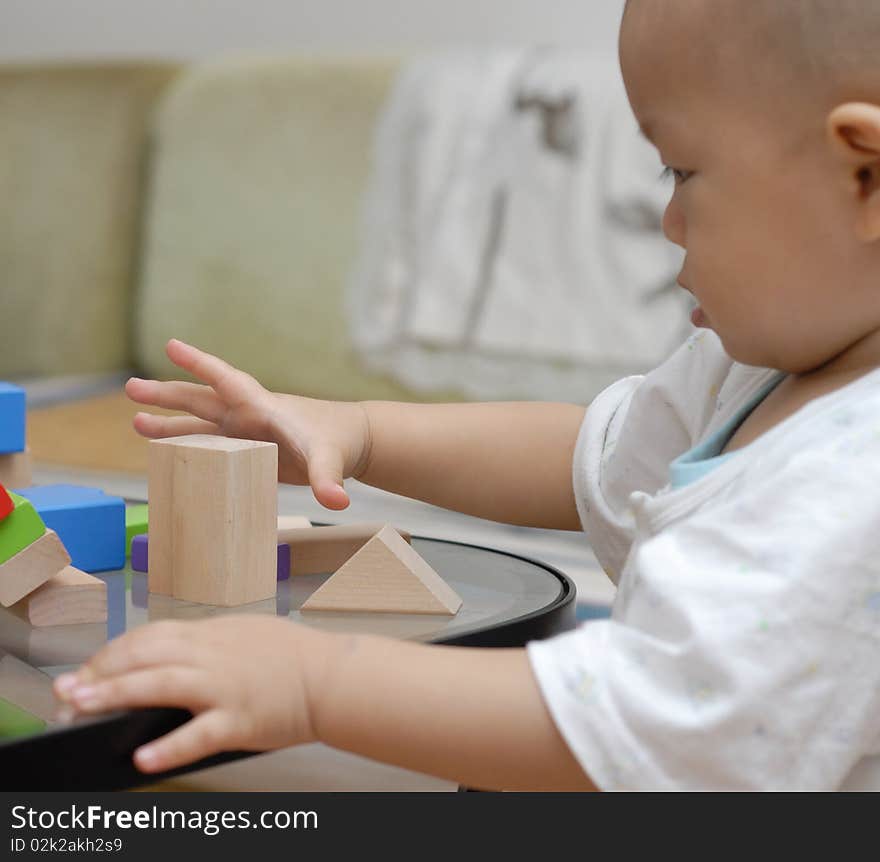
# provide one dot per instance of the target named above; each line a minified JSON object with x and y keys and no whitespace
{"x":507,"y":462}
{"x":470,"y":715}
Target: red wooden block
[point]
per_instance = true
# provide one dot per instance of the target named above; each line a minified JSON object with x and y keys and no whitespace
{"x":6,"y":504}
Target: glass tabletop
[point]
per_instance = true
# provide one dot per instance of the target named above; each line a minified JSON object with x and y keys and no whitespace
{"x":497,"y":588}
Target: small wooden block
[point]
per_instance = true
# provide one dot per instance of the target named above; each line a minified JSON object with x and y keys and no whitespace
{"x":19,"y":529}
{"x":289,"y":522}
{"x":15,"y":470}
{"x":7,"y":507}
{"x":213,"y":519}
{"x":318,"y":550}
{"x":140,"y":553}
{"x":31,"y":567}
{"x":68,"y":598}
{"x":385,"y":576}
{"x":283,"y":561}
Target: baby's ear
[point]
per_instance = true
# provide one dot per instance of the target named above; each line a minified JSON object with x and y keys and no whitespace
{"x":854,"y":133}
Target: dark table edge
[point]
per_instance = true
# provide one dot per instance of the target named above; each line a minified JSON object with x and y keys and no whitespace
{"x":61,"y":759}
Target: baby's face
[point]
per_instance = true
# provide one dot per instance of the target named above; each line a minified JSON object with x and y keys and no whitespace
{"x":758,"y":204}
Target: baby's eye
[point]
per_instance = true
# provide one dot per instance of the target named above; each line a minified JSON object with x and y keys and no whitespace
{"x":678,"y":174}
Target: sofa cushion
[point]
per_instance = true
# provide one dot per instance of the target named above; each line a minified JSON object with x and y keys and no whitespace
{"x":254,"y":200}
{"x":71,"y":161}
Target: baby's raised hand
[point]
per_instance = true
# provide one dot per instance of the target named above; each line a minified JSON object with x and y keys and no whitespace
{"x":244,"y":678}
{"x":319,"y":442}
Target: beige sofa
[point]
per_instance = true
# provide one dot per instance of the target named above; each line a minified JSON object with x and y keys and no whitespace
{"x":217,"y":204}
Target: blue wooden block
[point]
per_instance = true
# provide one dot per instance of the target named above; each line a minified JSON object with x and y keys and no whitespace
{"x":90,"y":523}
{"x":12,"y":418}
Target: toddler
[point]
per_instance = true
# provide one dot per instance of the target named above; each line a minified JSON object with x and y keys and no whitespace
{"x":733,"y":494}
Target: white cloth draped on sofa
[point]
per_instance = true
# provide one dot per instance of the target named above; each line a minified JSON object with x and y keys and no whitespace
{"x":511,"y":243}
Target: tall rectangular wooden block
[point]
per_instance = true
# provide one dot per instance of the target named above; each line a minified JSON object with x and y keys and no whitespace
{"x":213,"y":519}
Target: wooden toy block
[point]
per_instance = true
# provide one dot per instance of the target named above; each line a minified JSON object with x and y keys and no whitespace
{"x":385,"y":576}
{"x":15,"y":469}
{"x":12,"y":418}
{"x":69,"y":598}
{"x":27,"y":687}
{"x":31,"y":567}
{"x":19,"y":529}
{"x":136,"y":523}
{"x":289,"y":522}
{"x":89,"y":522}
{"x":213,"y":519}
{"x":318,"y":550}
{"x":140,"y":558}
{"x":6,"y":505}
{"x":283,"y":572}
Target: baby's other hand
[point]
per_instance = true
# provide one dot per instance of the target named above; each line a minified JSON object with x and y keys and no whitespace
{"x":320,"y":443}
{"x":244,"y":679}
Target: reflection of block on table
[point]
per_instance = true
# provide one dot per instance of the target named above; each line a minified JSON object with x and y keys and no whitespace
{"x":19,"y":529}
{"x":12,"y":418}
{"x":168,"y":608}
{"x":89,"y":522}
{"x":385,"y":576}
{"x":52,"y":645}
{"x":213,"y":519}
{"x":31,"y":567}
{"x":68,"y":598}
{"x":136,"y":523}
{"x":15,"y":470}
{"x":290,"y":522}
{"x":316,"y":550}
{"x":27,"y":687}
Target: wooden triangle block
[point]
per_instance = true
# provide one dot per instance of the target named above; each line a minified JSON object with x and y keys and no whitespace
{"x":31,"y":567}
{"x":70,"y":597}
{"x":385,"y":576}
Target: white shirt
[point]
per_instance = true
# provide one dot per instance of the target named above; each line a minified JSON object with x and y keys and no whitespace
{"x":743,"y":650}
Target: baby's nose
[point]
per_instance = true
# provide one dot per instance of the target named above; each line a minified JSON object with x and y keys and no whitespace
{"x":673,"y":223}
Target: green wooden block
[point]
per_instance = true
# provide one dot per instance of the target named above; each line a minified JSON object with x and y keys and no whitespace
{"x":135,"y":524}
{"x":20,"y":529}
{"x":16,"y":722}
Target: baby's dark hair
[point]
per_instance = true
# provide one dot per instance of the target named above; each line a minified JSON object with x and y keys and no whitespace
{"x":828,"y":49}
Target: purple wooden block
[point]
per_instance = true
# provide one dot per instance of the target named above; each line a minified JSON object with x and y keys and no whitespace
{"x":139,"y":554}
{"x":283,"y":562}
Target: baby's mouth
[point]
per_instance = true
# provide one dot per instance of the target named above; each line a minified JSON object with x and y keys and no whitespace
{"x":698,"y":318}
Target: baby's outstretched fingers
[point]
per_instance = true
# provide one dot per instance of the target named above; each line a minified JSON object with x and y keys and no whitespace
{"x":232,"y":385}
{"x":204,"y":735}
{"x":162,"y":643}
{"x":156,"y":427}
{"x":176,"y":686}
{"x":194,"y":398}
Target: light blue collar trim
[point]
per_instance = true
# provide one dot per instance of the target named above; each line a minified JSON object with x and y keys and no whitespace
{"x":706,"y":456}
